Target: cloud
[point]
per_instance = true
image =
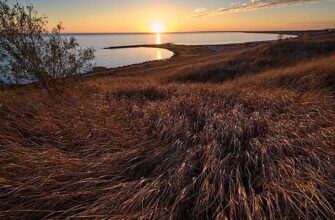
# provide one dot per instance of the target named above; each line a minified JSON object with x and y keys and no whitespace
{"x":199,"y":10}
{"x":252,"y":5}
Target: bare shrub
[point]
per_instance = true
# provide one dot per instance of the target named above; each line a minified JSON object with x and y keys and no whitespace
{"x":28,"y":52}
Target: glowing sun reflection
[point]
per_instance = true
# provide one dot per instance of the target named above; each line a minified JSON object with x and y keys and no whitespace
{"x":159,"y":55}
{"x":158,"y":38}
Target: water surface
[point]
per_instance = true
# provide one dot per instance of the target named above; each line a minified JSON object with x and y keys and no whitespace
{"x":123,"y":57}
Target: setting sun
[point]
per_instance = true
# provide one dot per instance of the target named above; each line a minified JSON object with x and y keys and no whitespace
{"x":157,"y":27}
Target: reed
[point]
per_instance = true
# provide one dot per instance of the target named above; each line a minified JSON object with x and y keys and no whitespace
{"x":257,"y":146}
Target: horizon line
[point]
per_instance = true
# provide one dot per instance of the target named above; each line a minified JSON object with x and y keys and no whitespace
{"x":185,"y":32}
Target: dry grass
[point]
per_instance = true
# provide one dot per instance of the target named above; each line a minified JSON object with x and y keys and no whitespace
{"x":253,"y":61}
{"x":256,"y":147}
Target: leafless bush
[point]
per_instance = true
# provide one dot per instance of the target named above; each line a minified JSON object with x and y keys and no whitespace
{"x":28,"y":52}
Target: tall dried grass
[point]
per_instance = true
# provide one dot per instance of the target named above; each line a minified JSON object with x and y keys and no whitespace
{"x":253,"y":61}
{"x":256,"y":147}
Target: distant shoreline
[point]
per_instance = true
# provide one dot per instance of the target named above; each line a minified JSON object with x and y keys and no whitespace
{"x":185,"y":53}
{"x":195,"y":32}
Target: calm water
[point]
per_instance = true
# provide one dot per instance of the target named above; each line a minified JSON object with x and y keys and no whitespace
{"x":124,"y":57}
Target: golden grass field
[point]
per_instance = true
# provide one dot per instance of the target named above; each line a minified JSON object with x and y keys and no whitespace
{"x":225,"y":132}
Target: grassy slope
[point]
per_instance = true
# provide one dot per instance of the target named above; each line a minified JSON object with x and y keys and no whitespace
{"x":257,"y":144}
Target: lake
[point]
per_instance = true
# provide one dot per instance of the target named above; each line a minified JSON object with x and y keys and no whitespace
{"x":112,"y":58}
{"x":123,"y":57}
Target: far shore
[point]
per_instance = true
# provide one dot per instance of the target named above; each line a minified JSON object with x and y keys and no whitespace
{"x":186,"y":55}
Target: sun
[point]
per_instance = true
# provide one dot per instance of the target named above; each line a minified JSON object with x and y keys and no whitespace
{"x":157,"y":27}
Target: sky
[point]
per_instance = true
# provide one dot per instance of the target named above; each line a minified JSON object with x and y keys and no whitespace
{"x":92,"y":16}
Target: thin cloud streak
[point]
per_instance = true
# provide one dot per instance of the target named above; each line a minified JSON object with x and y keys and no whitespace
{"x":253,"y":5}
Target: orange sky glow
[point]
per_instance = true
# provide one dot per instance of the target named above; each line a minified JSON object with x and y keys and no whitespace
{"x":83,"y":16}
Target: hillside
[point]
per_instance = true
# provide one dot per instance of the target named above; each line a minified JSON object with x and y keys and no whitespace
{"x":234,"y":132}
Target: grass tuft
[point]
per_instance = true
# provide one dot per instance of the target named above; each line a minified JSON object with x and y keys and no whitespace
{"x":257,"y":146}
